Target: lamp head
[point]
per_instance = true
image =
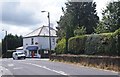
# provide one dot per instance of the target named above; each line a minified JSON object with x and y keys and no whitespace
{"x":43,"y":11}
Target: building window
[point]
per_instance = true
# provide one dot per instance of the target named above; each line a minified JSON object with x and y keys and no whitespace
{"x":32,"y":41}
{"x":53,"y":40}
{"x":45,"y":52}
{"x":36,"y":43}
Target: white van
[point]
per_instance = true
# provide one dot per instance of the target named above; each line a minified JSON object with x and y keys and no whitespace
{"x":18,"y":55}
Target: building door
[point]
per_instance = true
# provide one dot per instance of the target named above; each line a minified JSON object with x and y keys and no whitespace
{"x":33,"y":53}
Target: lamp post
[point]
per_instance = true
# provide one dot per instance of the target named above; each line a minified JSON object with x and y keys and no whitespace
{"x":49,"y":28}
{"x":5,"y":42}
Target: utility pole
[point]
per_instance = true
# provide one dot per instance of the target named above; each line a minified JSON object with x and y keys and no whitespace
{"x":49,"y":28}
{"x":6,"y":42}
{"x":6,"y":47}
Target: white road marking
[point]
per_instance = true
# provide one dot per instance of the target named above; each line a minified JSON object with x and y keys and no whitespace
{"x":6,"y":69}
{"x":10,"y":65}
{"x":36,"y":59}
{"x":59,"y":72}
{"x":18,"y":68}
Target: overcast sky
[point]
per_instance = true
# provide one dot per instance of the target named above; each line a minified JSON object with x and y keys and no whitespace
{"x":22,"y":16}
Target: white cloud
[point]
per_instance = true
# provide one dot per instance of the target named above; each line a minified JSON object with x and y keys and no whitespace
{"x":22,"y":11}
{"x":13,"y":29}
{"x":15,"y":15}
{"x":29,"y":11}
{"x":101,"y":4}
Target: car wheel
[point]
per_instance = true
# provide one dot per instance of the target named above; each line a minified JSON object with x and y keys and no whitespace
{"x":24,"y":57}
{"x":13,"y":58}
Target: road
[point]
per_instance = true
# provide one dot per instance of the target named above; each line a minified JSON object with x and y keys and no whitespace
{"x":44,"y":67}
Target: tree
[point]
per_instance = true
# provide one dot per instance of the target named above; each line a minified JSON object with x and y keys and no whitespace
{"x":80,"y":31}
{"x":77,"y":14}
{"x":84,"y":14}
{"x":65,"y":27}
{"x":101,"y":28}
{"x":12,"y":42}
{"x":111,"y":16}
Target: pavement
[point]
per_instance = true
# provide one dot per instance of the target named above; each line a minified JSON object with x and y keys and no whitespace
{"x":44,"y":67}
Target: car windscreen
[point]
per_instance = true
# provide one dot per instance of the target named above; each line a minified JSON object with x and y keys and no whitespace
{"x":20,"y":53}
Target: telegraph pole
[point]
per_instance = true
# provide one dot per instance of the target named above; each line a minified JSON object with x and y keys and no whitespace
{"x":6,"y":42}
{"x":49,"y":28}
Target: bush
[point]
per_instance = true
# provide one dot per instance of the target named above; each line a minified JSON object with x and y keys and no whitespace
{"x":60,"y":47}
{"x":76,"y":45}
{"x":117,"y":34}
{"x":107,"y":44}
{"x":118,"y":45}
{"x":97,"y":44}
{"x":91,"y":44}
{"x":101,"y":44}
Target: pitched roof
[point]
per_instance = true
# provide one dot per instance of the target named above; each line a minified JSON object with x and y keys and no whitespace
{"x":19,"y":48}
{"x":42,"y":31}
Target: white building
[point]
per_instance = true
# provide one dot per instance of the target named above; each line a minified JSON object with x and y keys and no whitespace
{"x":38,"y":40}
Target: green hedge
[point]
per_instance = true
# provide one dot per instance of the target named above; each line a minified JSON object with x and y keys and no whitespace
{"x":98,"y":44}
{"x":117,"y":34}
{"x":60,"y":47}
{"x":94,"y":44}
{"x":101,"y":44}
{"x":76,"y":45}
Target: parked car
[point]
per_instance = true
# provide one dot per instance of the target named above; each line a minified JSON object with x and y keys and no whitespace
{"x":18,"y":55}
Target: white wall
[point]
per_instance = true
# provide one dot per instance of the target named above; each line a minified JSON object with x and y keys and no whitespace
{"x":25,"y":42}
{"x":43,"y":42}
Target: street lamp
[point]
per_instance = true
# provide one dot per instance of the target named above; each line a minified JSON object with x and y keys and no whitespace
{"x":49,"y":28}
{"x":5,"y":42}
